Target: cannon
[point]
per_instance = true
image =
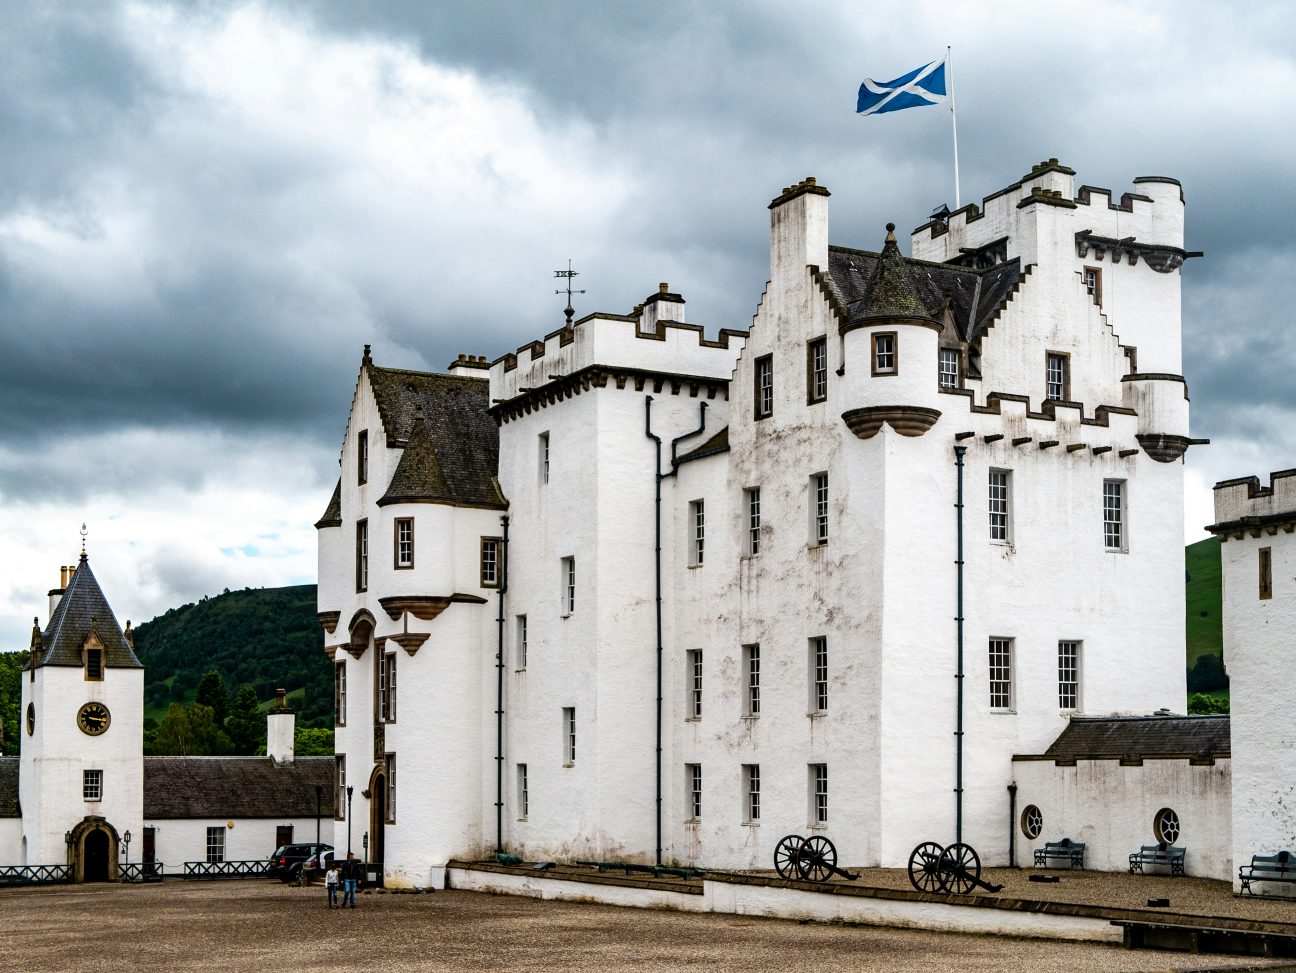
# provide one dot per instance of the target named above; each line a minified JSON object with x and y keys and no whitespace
{"x":812,"y":859}
{"x":956,"y":869}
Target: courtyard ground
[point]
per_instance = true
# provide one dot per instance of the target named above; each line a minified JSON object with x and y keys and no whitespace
{"x":264,"y":927}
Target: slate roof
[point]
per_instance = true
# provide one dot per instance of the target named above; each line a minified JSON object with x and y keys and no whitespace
{"x":235,"y":787}
{"x":9,"y":787}
{"x":457,"y":454}
{"x":718,"y":443}
{"x":975,"y":297}
{"x":82,"y":607}
{"x":333,"y":512}
{"x":1100,"y":737}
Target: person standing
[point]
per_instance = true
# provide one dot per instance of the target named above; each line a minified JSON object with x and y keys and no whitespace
{"x":350,"y":874}
{"x":331,"y":882}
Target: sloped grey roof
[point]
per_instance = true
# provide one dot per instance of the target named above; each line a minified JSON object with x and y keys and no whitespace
{"x":462,"y":436}
{"x":333,"y":512}
{"x":9,"y":787}
{"x":236,"y":787}
{"x":418,"y":477}
{"x":1142,"y":736}
{"x":891,"y":292}
{"x":83,"y":607}
{"x":718,"y":443}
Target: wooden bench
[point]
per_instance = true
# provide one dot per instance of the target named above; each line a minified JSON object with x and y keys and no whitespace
{"x":1268,"y":868}
{"x":1066,"y":850}
{"x":1171,"y":856}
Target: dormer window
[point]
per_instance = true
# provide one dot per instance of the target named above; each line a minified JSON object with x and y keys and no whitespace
{"x":949,"y":368}
{"x":94,"y":664}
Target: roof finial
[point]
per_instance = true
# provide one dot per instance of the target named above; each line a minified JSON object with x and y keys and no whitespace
{"x":890,"y":237}
{"x":366,"y":359}
{"x":83,"y":537}
{"x":568,"y":274}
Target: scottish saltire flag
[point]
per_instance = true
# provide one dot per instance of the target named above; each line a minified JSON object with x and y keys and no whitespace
{"x":925,"y":86}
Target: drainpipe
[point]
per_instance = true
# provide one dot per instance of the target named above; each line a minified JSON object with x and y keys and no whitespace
{"x":658,"y":476}
{"x":499,"y":689}
{"x":1012,"y":825}
{"x":958,"y":732}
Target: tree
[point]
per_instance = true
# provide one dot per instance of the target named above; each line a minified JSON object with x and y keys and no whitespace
{"x":213,"y":693}
{"x":191,"y":731}
{"x":1200,"y":704}
{"x":310,"y":741}
{"x":245,"y":725}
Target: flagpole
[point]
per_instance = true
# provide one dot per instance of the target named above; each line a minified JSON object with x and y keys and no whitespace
{"x":949,"y":67}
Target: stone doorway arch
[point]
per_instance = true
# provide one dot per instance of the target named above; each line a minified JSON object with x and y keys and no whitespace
{"x":93,"y":850}
{"x":378,"y":815}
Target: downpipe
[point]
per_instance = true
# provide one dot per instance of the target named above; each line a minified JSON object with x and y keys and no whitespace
{"x":1012,"y":825}
{"x":499,"y":689}
{"x":959,"y":452}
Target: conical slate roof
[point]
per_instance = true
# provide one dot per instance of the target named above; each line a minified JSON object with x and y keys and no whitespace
{"x":891,"y":293}
{"x":418,"y":477}
{"x":333,"y":512}
{"x":82,"y":609}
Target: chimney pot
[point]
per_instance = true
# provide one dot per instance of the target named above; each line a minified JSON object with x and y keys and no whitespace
{"x":281,"y":698}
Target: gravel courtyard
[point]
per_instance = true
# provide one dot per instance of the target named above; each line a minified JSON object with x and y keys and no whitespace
{"x":263,"y":927}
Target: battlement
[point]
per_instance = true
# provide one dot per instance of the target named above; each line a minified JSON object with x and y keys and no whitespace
{"x":1243,"y":505}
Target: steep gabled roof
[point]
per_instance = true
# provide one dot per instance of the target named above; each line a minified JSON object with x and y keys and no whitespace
{"x":456,"y":453}
{"x":83,"y":609}
{"x":236,"y":787}
{"x":891,"y":293}
{"x":333,"y":512}
{"x":1095,"y":738}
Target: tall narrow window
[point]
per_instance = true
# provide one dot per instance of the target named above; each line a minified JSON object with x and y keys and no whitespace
{"x":693,"y":781}
{"x":751,"y":793}
{"x":92,"y":785}
{"x":362,"y":555}
{"x":339,"y":694}
{"x":1068,"y":675}
{"x":817,"y":370}
{"x":521,"y":642}
{"x":1000,"y":502}
{"x":818,"y":794}
{"x":694,"y":701}
{"x":391,"y":788}
{"x":819,"y":508}
{"x":697,"y":532}
{"x":569,"y":735}
{"x":1266,"y":573}
{"x":884,"y":353}
{"x":753,"y":501}
{"x":94,"y":664}
{"x":362,"y":457}
{"x":764,"y":390}
{"x":818,"y":675}
{"x":523,"y":798}
{"x":1001,"y":674}
{"x":216,"y":844}
{"x":1114,"y":515}
{"x":339,"y":775}
{"x":490,"y":562}
{"x":544,"y":457}
{"x":1093,"y":284}
{"x":949,"y":368}
{"x":404,"y":542}
{"x":1057,"y":378}
{"x":568,"y":585}
{"x":386,"y":687}
{"x":751,"y":680}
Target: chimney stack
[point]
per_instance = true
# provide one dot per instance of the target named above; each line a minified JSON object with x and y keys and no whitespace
{"x":281,"y":724}
{"x":662,"y":306}
{"x":470,"y":366}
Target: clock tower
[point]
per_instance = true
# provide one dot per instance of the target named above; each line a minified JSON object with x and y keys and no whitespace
{"x":81,"y":779}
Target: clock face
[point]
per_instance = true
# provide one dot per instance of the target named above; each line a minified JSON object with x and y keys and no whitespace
{"x":31,"y":718}
{"x":93,"y":718}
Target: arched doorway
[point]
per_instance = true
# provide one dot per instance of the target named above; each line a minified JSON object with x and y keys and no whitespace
{"x":94,"y":845}
{"x":377,"y":816}
{"x":95,"y":852}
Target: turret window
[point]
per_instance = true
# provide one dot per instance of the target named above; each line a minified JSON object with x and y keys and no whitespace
{"x":404,"y":542}
{"x":885,"y":353}
{"x":490,"y":562}
{"x":949,"y":368}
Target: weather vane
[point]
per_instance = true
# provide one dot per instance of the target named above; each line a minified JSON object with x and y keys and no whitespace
{"x":83,"y":537}
{"x":568,"y":274}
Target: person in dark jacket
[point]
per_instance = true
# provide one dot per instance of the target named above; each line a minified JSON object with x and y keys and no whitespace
{"x":350,"y":876}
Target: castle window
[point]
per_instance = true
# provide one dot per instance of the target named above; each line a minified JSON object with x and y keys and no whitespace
{"x":885,"y":353}
{"x":1114,"y":538}
{"x":764,"y":389}
{"x":569,"y":735}
{"x":523,"y":798}
{"x":1000,"y":505}
{"x":339,"y":774}
{"x":751,"y":792}
{"x":1093,"y":284}
{"x":819,"y":509}
{"x":391,"y":787}
{"x":544,"y":457}
{"x":949,"y":368}
{"x":362,"y":555}
{"x":693,"y":670}
{"x":818,"y":795}
{"x":490,"y":562}
{"x":568,"y":585}
{"x":818,"y":658}
{"x":817,"y":370}
{"x":697,"y":533}
{"x":1266,"y":573}
{"x":94,"y":664}
{"x":92,"y":785}
{"x":693,"y":782}
{"x":1001,"y":697}
{"x":339,"y":694}
{"x":404,"y":542}
{"x":216,"y":843}
{"x":1057,"y":377}
{"x":751,"y":680}
{"x":362,"y":457}
{"x":386,"y":687}
{"x":1068,"y":675}
{"x":521,"y":642}
{"x":753,"y":498}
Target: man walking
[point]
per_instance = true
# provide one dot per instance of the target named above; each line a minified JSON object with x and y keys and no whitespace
{"x":350,"y":873}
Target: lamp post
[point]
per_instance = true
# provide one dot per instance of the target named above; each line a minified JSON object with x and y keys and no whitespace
{"x":67,"y":840}
{"x":366,"y":846}
{"x":319,"y":797}
{"x":126,"y":841}
{"x":350,"y":791}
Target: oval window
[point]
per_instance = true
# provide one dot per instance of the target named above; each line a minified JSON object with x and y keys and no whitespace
{"x":1166,"y":826}
{"x":31,"y":718}
{"x":1032,"y":822}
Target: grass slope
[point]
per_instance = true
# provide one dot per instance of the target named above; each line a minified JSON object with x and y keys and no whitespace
{"x":1204,"y":600}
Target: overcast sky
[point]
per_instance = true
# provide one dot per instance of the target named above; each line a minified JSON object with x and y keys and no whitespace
{"x":206,"y":210}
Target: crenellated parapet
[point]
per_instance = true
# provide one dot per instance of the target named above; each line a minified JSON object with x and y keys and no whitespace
{"x":1245,"y":508}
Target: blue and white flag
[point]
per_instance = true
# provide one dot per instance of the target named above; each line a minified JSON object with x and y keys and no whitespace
{"x":925,"y":86}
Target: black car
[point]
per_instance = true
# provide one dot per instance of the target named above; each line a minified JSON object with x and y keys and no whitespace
{"x":286,"y":863}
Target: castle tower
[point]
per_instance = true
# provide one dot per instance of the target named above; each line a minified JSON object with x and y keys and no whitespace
{"x":81,"y":773}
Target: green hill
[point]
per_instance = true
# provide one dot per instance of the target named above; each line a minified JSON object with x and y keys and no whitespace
{"x":264,"y":638}
{"x":1203,"y":610}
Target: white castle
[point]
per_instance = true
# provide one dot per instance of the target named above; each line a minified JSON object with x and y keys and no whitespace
{"x":657,"y":597}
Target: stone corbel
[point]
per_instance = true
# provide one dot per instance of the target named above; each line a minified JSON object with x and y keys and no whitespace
{"x":329,"y":620}
{"x":411,"y":642}
{"x":907,"y":420}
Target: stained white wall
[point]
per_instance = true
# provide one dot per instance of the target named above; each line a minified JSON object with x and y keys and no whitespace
{"x":11,"y":838}
{"x":180,"y":840}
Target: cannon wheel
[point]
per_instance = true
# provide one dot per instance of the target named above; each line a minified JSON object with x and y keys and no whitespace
{"x":818,"y":859}
{"x":924,"y":867}
{"x":787,"y":855}
{"x":960,"y":869}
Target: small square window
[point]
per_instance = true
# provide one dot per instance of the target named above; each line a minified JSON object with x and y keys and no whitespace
{"x":949,"y":368}
{"x":403,"y":542}
{"x":1057,"y":377}
{"x":885,"y":353}
{"x":1093,"y":284}
{"x":491,"y":568}
{"x":92,"y":785}
{"x":216,"y":844}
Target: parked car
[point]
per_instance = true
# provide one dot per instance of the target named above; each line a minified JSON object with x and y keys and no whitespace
{"x":287,"y":861}
{"x":318,"y":864}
